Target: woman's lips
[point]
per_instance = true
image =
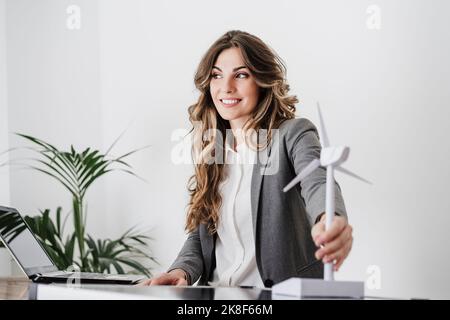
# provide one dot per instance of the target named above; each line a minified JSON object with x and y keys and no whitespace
{"x":230,"y":102}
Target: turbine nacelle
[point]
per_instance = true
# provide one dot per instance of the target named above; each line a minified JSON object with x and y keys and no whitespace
{"x":334,"y":156}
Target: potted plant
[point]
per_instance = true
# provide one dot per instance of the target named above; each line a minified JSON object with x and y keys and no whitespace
{"x":76,"y":172}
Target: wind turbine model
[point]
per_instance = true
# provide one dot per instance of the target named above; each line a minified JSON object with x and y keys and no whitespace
{"x":331,"y":158}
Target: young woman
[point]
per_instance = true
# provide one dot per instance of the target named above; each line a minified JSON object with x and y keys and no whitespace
{"x":243,"y":230}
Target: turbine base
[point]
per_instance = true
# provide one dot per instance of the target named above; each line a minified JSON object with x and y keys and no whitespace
{"x":302,"y":288}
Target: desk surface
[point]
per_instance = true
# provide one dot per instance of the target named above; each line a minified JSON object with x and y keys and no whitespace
{"x":14,"y":288}
{"x":121,"y":292}
{"x":20,"y":288}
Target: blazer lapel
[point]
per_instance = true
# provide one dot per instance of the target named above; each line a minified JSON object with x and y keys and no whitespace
{"x":257,"y":179}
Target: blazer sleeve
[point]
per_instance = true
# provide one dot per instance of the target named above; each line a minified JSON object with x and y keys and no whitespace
{"x":190,"y":258}
{"x":303,"y":145}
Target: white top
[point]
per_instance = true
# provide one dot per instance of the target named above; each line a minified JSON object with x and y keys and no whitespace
{"x":235,"y":243}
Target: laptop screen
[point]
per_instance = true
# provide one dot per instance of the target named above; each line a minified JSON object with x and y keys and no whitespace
{"x":22,"y":244}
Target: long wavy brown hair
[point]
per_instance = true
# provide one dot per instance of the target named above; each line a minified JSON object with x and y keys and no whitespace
{"x":274,"y":106}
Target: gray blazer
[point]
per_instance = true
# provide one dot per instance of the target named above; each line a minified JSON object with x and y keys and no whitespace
{"x":281,"y":221}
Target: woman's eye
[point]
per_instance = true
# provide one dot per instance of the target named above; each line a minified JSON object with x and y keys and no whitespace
{"x":242,"y":75}
{"x":239,"y":76}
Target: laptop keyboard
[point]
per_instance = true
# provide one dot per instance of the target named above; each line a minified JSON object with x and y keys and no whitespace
{"x":86,"y":275}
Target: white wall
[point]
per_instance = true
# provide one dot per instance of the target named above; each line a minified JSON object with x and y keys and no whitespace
{"x":5,"y":267}
{"x":4,"y":171}
{"x":54,"y":92}
{"x":383,"y":92}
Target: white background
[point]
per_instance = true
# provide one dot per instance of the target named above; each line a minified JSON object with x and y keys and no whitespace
{"x":4,"y":174}
{"x":384,"y":92}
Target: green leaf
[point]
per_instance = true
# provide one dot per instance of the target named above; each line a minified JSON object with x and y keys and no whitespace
{"x":73,"y":192}
{"x":62,"y":172}
{"x":135,"y":265}
{"x":96,"y":163}
{"x":119,"y":269}
{"x":69,"y":248}
{"x":47,"y":148}
{"x":58,"y":220}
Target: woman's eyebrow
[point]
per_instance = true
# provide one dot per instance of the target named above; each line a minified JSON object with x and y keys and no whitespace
{"x":234,"y":70}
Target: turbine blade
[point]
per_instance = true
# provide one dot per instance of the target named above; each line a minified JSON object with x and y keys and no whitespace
{"x":313,"y":165}
{"x":323,"y":130}
{"x":343,"y":170}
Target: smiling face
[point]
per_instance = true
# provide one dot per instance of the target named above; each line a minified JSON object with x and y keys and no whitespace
{"x":233,"y":89}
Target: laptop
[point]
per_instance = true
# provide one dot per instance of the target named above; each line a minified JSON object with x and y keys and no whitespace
{"x":34,"y":261}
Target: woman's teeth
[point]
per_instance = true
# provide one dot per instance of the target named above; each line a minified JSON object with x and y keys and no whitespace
{"x":230,"y":101}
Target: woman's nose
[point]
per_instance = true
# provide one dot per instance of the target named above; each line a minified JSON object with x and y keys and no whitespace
{"x":228,"y":86}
